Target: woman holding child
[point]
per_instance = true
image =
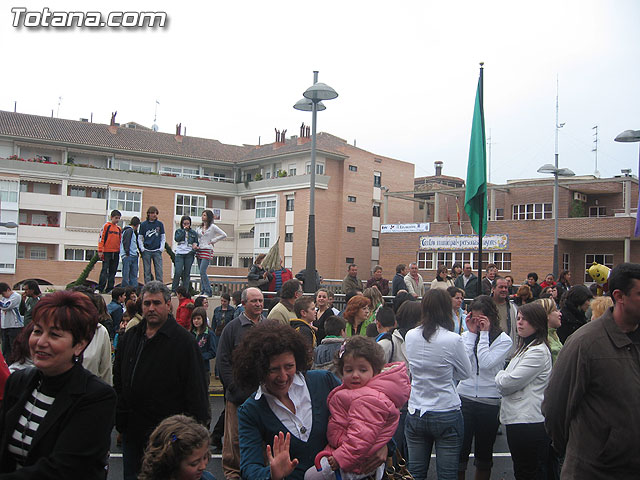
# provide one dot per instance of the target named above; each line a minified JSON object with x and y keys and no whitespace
{"x":289,"y":410}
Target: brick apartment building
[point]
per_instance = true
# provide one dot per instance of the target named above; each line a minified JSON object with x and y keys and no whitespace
{"x":60,"y":178}
{"x":596,"y":223}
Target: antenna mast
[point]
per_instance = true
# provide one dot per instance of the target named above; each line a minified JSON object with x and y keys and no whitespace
{"x":596,"y":173}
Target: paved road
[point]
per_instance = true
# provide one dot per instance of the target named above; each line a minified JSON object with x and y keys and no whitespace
{"x":502,"y":470}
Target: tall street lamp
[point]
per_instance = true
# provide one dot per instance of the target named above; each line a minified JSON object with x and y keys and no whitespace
{"x":312,"y":102}
{"x":632,"y":136}
{"x":556,"y":172}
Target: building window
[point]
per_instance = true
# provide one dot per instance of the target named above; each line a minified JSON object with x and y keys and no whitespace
{"x":78,"y":254}
{"x":351,"y":229}
{"x":425,"y":260}
{"x":502,"y":261}
{"x":21,"y":251}
{"x":220,"y":261}
{"x":249,"y":204}
{"x":532,"y":211}
{"x":129,"y":203}
{"x":319,"y":168}
{"x":289,"y":206}
{"x":349,"y":260}
{"x":77,"y":192}
{"x":38,"y":253}
{"x":192,"y":205}
{"x":376,"y":210}
{"x":565,"y":261}
{"x":597,"y":211}
{"x":375,"y":242}
{"x":605,"y":259}
{"x":9,"y":191}
{"x":499,"y":214}
{"x":265,"y":209}
{"x":288,"y":237}
{"x":351,"y":199}
{"x":44,"y":188}
{"x":248,"y":234}
{"x":377,"y":179}
{"x":353,"y":168}
{"x":248,"y":177}
{"x":292,"y":169}
{"x":264,"y":239}
{"x":246,"y":262}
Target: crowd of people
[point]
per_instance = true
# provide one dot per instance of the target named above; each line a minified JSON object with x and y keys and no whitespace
{"x":314,"y":392}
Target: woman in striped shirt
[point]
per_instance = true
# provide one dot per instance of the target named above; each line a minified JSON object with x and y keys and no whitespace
{"x":56,"y":419}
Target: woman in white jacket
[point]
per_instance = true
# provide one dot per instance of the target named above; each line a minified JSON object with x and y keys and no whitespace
{"x":487,"y":346}
{"x":208,"y":235}
{"x":522,"y":386}
{"x":437,"y":360}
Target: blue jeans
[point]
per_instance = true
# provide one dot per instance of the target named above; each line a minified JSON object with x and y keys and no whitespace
{"x":182,"y":269}
{"x":156,"y":256}
{"x":108,"y":272}
{"x":446,"y":429}
{"x":130,"y":271}
{"x":205,"y":285}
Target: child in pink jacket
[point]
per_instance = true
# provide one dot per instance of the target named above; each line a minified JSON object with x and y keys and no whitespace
{"x":364,"y":410}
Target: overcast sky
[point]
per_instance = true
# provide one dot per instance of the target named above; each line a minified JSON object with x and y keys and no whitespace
{"x":406,"y":73}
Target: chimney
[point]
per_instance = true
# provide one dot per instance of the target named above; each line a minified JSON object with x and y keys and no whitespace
{"x":438,"y":166}
{"x":178,"y":136}
{"x":113,"y":127}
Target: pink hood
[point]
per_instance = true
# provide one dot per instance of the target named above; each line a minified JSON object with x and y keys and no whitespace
{"x":363,"y":420}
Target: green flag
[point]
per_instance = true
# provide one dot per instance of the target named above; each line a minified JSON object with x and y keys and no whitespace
{"x":475,"y":202}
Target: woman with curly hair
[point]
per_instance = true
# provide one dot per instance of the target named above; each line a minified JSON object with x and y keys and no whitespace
{"x":178,"y":449}
{"x":357,"y":315}
{"x":288,"y":413}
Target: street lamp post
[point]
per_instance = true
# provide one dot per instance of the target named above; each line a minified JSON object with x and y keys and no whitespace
{"x":556,"y":172}
{"x":312,"y":102}
{"x":629,"y":136}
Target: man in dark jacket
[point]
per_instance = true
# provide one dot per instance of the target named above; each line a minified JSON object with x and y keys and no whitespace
{"x":253,"y":302}
{"x":467,"y":282}
{"x":158,"y":372}
{"x":397,"y":283}
{"x":591,"y":403}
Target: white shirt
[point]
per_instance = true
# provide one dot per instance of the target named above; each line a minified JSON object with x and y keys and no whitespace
{"x":436,"y":366}
{"x":206,"y":238}
{"x":299,"y":423}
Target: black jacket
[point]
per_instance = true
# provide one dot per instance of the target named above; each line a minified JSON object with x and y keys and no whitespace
{"x":572,"y":319}
{"x":158,"y":377}
{"x":471,"y":290}
{"x":73,"y":439}
{"x":230,"y":339}
{"x":397,"y":284}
